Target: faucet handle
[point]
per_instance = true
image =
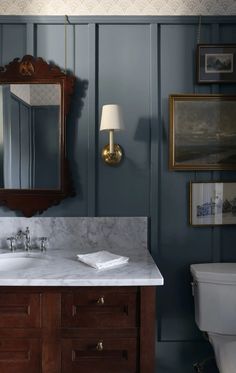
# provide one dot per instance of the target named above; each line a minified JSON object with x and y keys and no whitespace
{"x":11,"y":243}
{"x":43,"y":244}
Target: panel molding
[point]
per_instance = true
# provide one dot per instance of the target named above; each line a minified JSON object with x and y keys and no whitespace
{"x":230,"y":19}
{"x":154,"y":138}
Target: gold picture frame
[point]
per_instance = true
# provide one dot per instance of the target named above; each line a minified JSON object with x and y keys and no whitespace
{"x":212,"y":203}
{"x":202,"y":132}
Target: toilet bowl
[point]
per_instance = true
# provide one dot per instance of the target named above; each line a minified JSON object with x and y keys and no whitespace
{"x":214,"y":290}
{"x":225,"y":351}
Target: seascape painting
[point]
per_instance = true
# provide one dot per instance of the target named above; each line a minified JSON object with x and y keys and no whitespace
{"x":213,"y":203}
{"x":203,"y":133}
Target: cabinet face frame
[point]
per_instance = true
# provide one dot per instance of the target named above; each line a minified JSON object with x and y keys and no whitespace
{"x":51,"y":333}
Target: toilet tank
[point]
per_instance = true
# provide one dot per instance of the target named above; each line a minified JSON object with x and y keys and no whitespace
{"x":214,"y":290}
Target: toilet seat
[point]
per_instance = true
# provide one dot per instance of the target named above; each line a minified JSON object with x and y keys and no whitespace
{"x":225,"y":351}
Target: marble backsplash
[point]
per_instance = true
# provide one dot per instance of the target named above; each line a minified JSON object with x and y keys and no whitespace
{"x":80,"y":232}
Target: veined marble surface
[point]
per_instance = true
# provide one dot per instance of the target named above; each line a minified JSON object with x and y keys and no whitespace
{"x":83,"y":233}
{"x":61,"y":268}
{"x":71,"y":236}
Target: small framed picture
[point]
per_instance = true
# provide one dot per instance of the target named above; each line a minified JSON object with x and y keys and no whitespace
{"x":212,"y":203}
{"x":216,"y":63}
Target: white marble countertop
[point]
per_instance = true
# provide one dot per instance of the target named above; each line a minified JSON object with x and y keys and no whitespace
{"x":61,"y":268}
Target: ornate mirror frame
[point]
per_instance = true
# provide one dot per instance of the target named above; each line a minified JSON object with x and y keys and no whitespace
{"x":30,"y":70}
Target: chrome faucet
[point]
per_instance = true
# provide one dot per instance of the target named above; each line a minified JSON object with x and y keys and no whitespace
{"x":24,"y":236}
{"x":22,"y":240}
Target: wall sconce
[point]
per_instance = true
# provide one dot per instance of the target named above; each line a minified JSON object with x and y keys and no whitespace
{"x":112,"y":120}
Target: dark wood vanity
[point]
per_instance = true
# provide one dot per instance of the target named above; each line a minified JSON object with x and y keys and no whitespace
{"x":77,"y":329}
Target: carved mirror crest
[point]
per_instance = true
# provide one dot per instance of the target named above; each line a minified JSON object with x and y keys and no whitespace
{"x":34,"y":103}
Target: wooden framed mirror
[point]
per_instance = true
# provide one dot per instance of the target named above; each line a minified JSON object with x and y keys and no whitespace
{"x":34,"y":103}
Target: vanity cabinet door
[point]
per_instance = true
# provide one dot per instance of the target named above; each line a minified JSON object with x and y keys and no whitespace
{"x":99,"y":355}
{"x":20,"y":310}
{"x":100,"y":307}
{"x":18,"y":355}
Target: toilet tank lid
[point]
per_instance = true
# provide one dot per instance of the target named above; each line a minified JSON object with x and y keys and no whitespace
{"x":216,"y":273}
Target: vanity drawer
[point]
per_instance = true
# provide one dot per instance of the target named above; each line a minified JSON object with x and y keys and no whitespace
{"x":99,"y":355}
{"x":100,"y":307}
{"x":20,"y":310}
{"x":20,"y":355}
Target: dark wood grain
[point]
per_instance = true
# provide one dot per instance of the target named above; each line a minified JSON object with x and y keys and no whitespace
{"x":51,"y":323}
{"x":82,"y":308}
{"x":20,"y":355}
{"x":22,"y":311}
{"x":81,"y":354}
{"x":147,"y":329}
{"x":57,"y":330}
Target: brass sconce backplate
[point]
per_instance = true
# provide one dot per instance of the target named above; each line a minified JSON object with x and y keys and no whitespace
{"x":112,"y":159}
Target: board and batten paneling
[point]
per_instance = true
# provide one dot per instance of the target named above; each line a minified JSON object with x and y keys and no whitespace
{"x":180,"y":244}
{"x":74,"y":54}
{"x":136,"y":62}
{"x":13,"y":42}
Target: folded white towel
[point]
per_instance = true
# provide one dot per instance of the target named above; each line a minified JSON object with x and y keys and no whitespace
{"x":102,"y":259}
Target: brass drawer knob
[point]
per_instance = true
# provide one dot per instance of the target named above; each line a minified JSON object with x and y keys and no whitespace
{"x":99,"y":346}
{"x":101,"y":300}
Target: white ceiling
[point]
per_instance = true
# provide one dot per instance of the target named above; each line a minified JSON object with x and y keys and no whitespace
{"x":118,"y":7}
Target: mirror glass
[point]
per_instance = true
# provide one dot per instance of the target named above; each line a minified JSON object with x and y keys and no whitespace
{"x":30,"y":122}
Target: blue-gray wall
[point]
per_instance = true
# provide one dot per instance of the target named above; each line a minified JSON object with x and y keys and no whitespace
{"x":136,"y":62}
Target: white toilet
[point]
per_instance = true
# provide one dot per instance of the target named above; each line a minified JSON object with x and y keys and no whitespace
{"x":214,"y":289}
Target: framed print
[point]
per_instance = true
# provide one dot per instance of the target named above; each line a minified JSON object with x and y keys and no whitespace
{"x":212,"y":203}
{"x":216,"y":63}
{"x":202,"y":132}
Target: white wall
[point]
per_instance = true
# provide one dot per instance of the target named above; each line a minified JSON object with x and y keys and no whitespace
{"x":118,"y":7}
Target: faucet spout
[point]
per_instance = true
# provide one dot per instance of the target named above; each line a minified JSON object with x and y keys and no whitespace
{"x":27,"y":239}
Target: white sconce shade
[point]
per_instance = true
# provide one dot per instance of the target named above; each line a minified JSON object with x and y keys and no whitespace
{"x":112,"y":118}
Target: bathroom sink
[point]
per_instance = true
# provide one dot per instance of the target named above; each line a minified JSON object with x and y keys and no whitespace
{"x":19,"y":261}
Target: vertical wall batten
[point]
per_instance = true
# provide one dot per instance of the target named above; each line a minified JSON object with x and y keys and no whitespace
{"x":216,"y":175}
{"x":1,"y":45}
{"x":92,"y":124}
{"x":154,"y":169}
{"x":79,"y":120}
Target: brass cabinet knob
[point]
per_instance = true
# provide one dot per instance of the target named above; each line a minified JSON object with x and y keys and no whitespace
{"x":99,"y":346}
{"x":101,"y":300}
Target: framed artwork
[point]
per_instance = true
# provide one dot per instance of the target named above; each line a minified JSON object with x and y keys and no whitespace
{"x":212,"y":203}
{"x":216,"y":63}
{"x":202,"y":132}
